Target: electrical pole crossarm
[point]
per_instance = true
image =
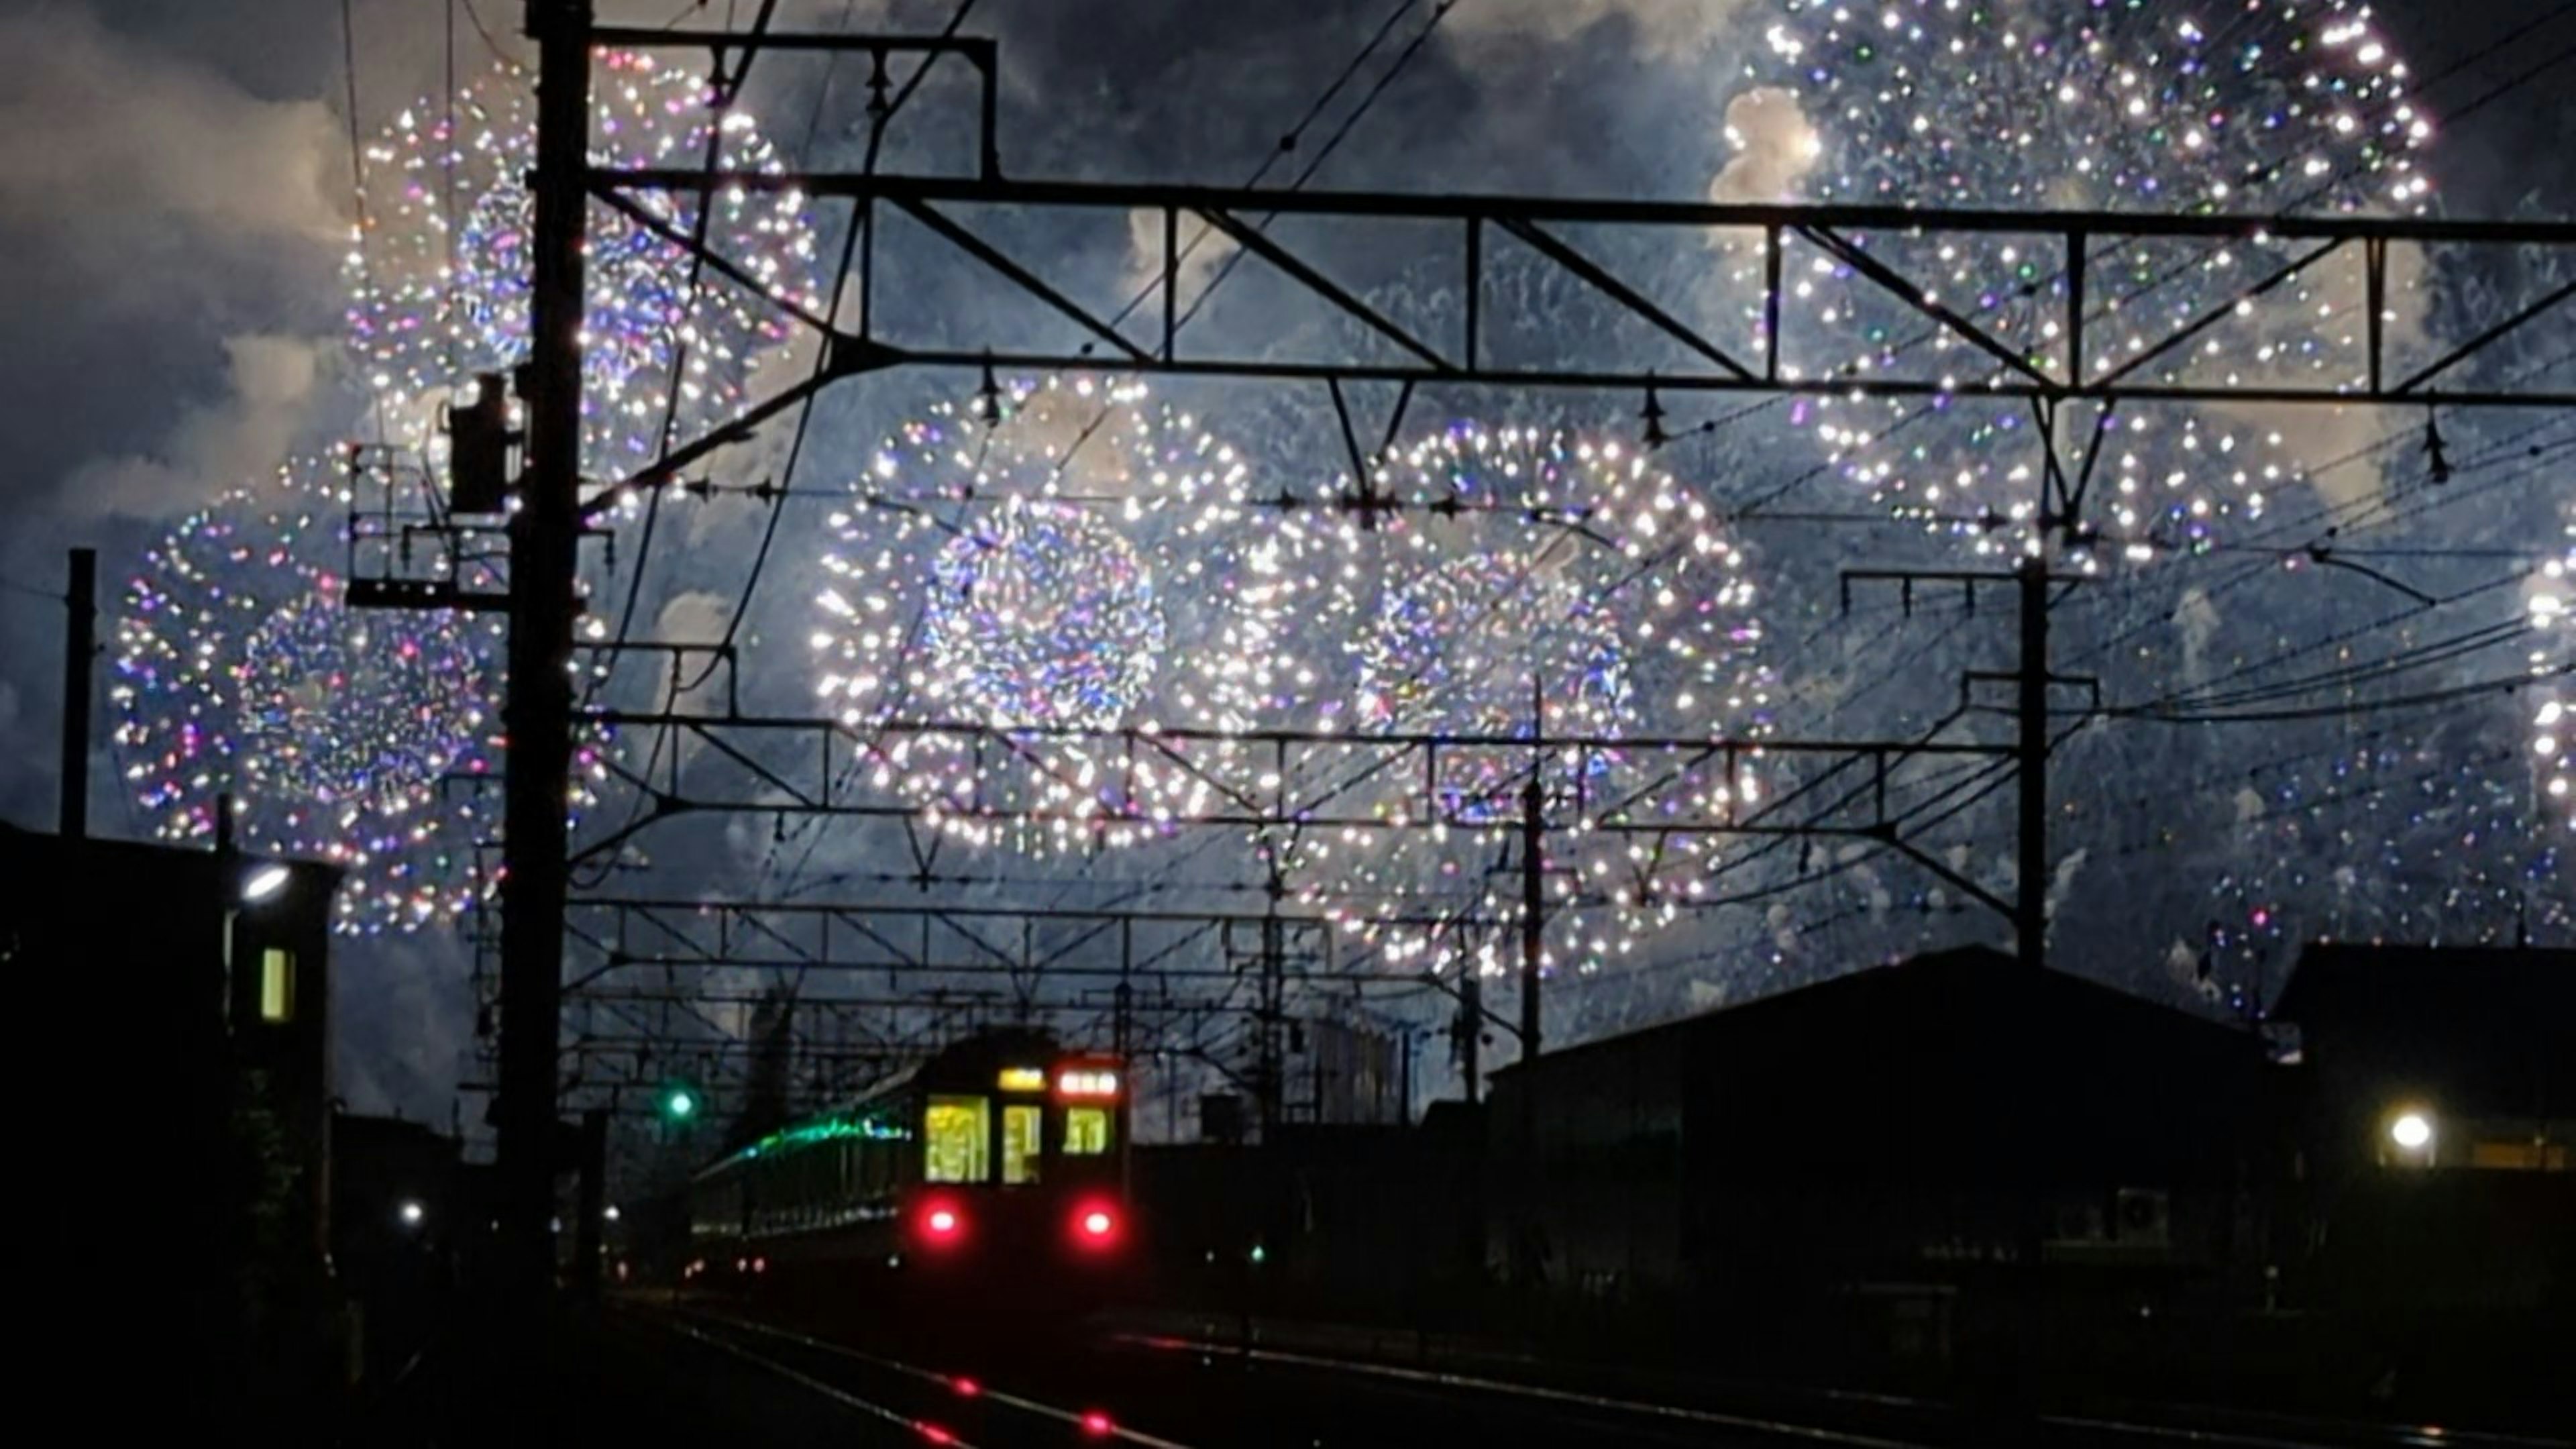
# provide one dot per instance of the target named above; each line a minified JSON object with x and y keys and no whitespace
{"x":2031,"y":583}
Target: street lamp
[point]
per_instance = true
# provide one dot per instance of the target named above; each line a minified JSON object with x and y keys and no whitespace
{"x":411,"y":1213}
{"x":264,"y":882}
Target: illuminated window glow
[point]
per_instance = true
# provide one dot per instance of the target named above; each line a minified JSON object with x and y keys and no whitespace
{"x":1023,"y":1079}
{"x":1086,"y":1131}
{"x":2519,"y":1156}
{"x":956,"y":1134}
{"x":276,"y":984}
{"x":1020,"y":1143}
{"x":1087,"y":1083}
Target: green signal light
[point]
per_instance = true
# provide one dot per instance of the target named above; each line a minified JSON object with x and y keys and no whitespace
{"x":680,"y":1104}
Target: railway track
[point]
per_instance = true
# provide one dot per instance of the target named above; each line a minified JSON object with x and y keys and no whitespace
{"x":1159,"y":1391}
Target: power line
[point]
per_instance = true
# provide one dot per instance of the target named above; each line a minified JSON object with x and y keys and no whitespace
{"x":489,"y":42}
{"x":2444,"y":651}
{"x":2545,"y":18}
{"x":358,"y":175}
{"x":2183,"y":267}
{"x":2508,"y":684}
{"x":1331,"y":144}
{"x":1288,"y":142}
{"x":2505,"y":88}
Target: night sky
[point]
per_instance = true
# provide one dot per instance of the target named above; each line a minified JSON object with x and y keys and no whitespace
{"x":174,"y":198}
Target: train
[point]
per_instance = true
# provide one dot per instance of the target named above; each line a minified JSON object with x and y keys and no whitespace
{"x":998,"y":1163}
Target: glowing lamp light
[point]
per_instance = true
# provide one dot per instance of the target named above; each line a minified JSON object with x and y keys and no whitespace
{"x":966,"y":1388}
{"x":943,"y":1223}
{"x":1097,"y":1223}
{"x":411,"y":1213}
{"x":1097,"y":1425}
{"x":1023,"y":1079}
{"x":2410,"y":1131}
{"x":1087,"y":1083}
{"x":267,"y":881}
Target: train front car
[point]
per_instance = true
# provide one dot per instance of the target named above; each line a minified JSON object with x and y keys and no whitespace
{"x":1022,"y":1156}
{"x":991,"y":1179}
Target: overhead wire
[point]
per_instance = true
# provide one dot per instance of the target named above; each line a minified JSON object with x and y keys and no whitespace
{"x":490,"y":42}
{"x":1287,"y":144}
{"x":1352,"y":70}
{"x":2138,"y":291}
{"x":358,"y":175}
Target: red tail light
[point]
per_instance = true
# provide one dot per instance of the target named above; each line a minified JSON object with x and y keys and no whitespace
{"x":1097,"y":1425}
{"x":1095,"y":1225}
{"x":943,"y":1223}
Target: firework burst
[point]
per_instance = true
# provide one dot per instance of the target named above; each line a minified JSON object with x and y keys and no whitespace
{"x":1088,"y":561}
{"x":1528,"y":602}
{"x":440,"y":276}
{"x":2553,"y":730}
{"x":2256,"y":107}
{"x":345,"y":736}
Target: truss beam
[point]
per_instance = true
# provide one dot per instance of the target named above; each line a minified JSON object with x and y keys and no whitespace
{"x":2282,"y":249}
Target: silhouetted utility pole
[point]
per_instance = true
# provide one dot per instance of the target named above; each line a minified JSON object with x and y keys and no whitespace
{"x":2030,"y":677}
{"x":1471,"y":1026}
{"x":1533,"y":875}
{"x":1270,"y":1066}
{"x":2030,"y":760}
{"x":537,"y":714}
{"x":590,"y":1228}
{"x":80,"y":646}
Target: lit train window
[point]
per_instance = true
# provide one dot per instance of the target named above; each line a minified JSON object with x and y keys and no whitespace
{"x":1020,"y":1143}
{"x":956,"y":1133}
{"x":1086,"y":1131}
{"x":276,"y":984}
